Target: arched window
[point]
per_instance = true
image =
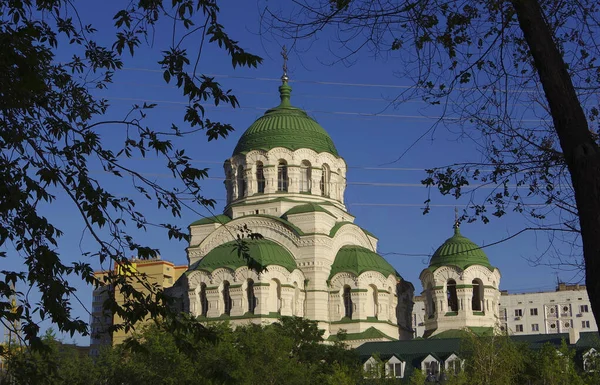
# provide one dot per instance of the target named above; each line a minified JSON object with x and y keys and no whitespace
{"x":203,"y":300}
{"x":347,"y":302}
{"x":430,"y":310}
{"x":305,"y":175}
{"x":241,"y":182}
{"x":227,"y":304}
{"x":297,"y":302}
{"x":477,"y":300}
{"x":282,"y":176}
{"x":452,"y":297}
{"x":275,"y":296}
{"x":325,"y":176}
{"x":251,"y":296}
{"x":374,"y":305}
{"x":260,"y":177}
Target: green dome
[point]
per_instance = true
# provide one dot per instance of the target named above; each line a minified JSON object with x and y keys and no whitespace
{"x":459,"y":251}
{"x":357,"y":260}
{"x":264,"y":251}
{"x":285,"y":126}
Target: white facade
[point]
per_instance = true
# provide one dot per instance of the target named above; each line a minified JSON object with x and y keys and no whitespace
{"x":548,"y":312}
{"x":295,"y":200}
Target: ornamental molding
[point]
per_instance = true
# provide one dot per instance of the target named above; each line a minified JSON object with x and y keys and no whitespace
{"x":341,"y":279}
{"x":444,"y":273}
{"x":372,"y":278}
{"x":268,"y":228}
{"x":195,"y":278}
{"x":351,"y":235}
{"x":222,"y":274}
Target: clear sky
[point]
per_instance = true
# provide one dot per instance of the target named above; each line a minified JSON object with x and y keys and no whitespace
{"x":351,"y":103}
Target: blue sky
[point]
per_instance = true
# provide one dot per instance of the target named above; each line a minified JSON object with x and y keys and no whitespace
{"x":351,"y":103}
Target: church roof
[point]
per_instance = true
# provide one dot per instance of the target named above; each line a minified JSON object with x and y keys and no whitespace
{"x":459,"y":251}
{"x":306,"y":208}
{"x":221,"y":218}
{"x":285,"y":126}
{"x":263,"y":251}
{"x":356,"y":260}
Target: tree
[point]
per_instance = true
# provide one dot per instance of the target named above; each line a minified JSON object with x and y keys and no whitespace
{"x":249,"y":354}
{"x":493,"y":360}
{"x":516,"y":77}
{"x":51,"y":136}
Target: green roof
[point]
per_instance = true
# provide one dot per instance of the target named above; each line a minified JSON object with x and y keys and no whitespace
{"x":263,"y":251}
{"x":460,"y":333}
{"x":222,"y":219}
{"x":285,"y":126}
{"x":357,"y":259}
{"x":369,"y":334}
{"x":306,"y":208}
{"x":459,"y":251}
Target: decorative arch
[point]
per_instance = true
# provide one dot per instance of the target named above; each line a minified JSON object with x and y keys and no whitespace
{"x":269,"y":228}
{"x":350,"y":234}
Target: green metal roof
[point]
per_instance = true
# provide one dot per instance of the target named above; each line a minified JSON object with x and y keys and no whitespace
{"x":285,"y":126}
{"x":369,"y":334}
{"x":264,"y":251}
{"x":460,"y":333}
{"x":357,"y":260}
{"x":306,"y":208}
{"x":459,"y":251}
{"x":222,"y":219}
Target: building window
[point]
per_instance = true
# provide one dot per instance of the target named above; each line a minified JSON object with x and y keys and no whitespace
{"x":251,"y":296}
{"x":282,"y":176}
{"x":519,"y":328}
{"x":452,"y":297}
{"x":305,"y":175}
{"x":432,"y":368}
{"x":533,"y":311}
{"x":584,"y":309}
{"x":585,"y":324}
{"x":477,"y":299}
{"x":203,"y":299}
{"x":241,"y":182}
{"x":535,"y":327}
{"x":454,"y":366}
{"x":325,"y":176}
{"x":227,"y":303}
{"x":260,"y":177}
{"x":347,"y":302}
{"x":518,"y":312}
{"x":395,"y":370}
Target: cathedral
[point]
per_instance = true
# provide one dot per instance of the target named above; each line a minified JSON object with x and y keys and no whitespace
{"x":285,"y":180}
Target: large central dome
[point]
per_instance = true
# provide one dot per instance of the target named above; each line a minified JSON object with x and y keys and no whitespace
{"x":285,"y":126}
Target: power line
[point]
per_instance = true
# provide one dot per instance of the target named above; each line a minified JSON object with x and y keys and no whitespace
{"x":346,"y":113}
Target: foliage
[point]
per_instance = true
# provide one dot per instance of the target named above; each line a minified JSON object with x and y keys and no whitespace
{"x":494,"y":360}
{"x":52,"y":136}
{"x":250,"y":354}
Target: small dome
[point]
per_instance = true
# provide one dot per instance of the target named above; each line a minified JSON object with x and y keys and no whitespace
{"x":264,"y":251}
{"x":285,"y":126}
{"x":459,"y":251}
{"x":357,"y":260}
